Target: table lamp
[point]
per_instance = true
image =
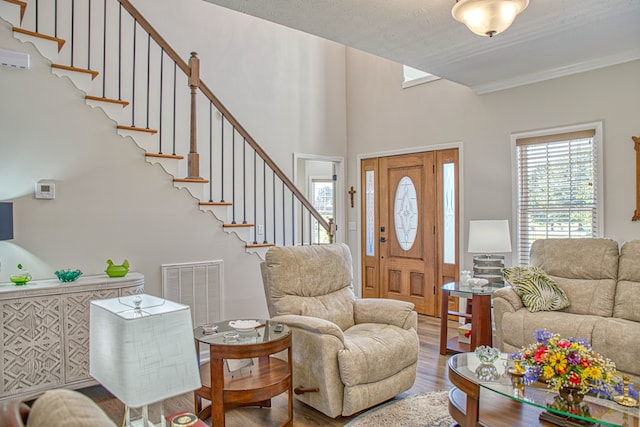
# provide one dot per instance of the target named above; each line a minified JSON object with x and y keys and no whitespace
{"x":489,"y":237}
{"x":141,"y":349}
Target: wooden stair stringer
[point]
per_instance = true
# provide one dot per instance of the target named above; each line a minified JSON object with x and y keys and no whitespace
{"x":12,"y":11}
{"x":48,"y":46}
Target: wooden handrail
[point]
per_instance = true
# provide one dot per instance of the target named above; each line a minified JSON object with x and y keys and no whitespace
{"x":228,"y":116}
{"x":241,"y":130}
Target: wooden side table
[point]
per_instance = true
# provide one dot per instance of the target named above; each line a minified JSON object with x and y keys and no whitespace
{"x":270,"y":377}
{"x":480,"y":316}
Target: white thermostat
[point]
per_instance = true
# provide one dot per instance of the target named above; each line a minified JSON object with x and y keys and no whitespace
{"x":45,"y":190}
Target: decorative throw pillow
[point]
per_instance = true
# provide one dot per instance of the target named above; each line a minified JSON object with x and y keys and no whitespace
{"x":537,"y":290}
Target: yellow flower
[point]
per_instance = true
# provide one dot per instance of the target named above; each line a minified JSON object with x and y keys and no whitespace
{"x":559,"y":363}
{"x":548,"y":372}
{"x":593,"y":372}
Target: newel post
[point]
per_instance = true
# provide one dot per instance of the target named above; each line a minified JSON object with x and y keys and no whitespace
{"x":194,"y":82}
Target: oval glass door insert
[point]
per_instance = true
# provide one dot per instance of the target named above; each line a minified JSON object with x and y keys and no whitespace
{"x":406,"y":213}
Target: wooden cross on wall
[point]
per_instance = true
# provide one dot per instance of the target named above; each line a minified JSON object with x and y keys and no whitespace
{"x":351,"y":193}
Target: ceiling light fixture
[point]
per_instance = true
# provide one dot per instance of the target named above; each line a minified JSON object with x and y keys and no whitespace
{"x":488,"y":17}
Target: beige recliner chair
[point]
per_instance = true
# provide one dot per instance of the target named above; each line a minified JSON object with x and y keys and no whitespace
{"x":355,"y":352}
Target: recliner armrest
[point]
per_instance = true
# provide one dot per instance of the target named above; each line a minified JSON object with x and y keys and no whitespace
{"x":311,"y":324}
{"x":386,"y":311}
{"x":509,"y":296}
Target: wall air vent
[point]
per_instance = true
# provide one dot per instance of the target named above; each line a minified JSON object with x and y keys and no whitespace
{"x":15,"y":59}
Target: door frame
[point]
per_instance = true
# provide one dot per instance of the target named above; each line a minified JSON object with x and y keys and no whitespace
{"x":340,"y":219}
{"x":357,"y":257}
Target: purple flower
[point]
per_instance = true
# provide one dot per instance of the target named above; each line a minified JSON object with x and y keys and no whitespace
{"x":542,"y":336}
{"x":573,"y":358}
{"x":515,"y":356}
{"x":532,"y":373}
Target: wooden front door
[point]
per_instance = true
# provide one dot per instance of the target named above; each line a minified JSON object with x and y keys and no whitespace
{"x":403,"y":217}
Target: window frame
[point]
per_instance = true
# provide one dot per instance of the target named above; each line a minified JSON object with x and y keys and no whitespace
{"x":599,"y":176}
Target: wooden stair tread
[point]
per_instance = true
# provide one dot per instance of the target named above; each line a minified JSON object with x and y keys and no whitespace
{"x":237,"y":225}
{"x":113,"y":101}
{"x":22,"y":4}
{"x":93,"y":73}
{"x":41,"y":36}
{"x":196,"y":180}
{"x":215,"y":203}
{"x":165,"y":156}
{"x":137,"y":129}
{"x":259,"y":245}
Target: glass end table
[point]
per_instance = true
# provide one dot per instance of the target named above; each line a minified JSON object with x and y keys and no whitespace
{"x":270,"y":377}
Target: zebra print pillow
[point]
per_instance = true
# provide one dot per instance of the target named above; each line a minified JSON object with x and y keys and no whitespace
{"x":537,"y":291}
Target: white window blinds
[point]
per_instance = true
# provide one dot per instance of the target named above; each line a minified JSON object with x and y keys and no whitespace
{"x":557,"y":188}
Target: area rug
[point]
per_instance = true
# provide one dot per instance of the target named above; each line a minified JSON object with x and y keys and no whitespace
{"x":425,"y":410}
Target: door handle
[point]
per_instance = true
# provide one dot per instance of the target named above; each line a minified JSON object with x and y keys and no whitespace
{"x":383,"y":240}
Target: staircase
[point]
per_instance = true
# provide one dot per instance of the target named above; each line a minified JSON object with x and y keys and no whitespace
{"x":111,"y":53}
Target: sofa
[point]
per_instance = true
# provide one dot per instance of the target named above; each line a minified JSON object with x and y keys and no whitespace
{"x":602,"y":284}
{"x":54,"y":408}
{"x":348,"y":353}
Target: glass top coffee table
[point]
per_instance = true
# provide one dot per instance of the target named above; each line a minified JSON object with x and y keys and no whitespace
{"x":474,"y":400}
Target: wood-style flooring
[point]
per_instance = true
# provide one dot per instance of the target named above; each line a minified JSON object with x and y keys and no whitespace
{"x":432,"y":375}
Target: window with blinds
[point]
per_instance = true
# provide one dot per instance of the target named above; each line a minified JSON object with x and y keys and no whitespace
{"x":557,"y":188}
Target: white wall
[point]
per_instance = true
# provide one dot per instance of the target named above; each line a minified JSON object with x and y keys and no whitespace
{"x":289,"y":93}
{"x":286,"y":87}
{"x":382,"y":116}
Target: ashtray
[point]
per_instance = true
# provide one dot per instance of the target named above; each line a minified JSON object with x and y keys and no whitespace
{"x":209,"y":329}
{"x":231,"y":336}
{"x":67,"y":275}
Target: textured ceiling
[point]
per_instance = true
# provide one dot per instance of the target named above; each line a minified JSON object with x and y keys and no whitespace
{"x":551,"y":38}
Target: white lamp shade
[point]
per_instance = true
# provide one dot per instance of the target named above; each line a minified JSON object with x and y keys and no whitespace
{"x":146,"y":356}
{"x":488,"y":17}
{"x":489,"y":236}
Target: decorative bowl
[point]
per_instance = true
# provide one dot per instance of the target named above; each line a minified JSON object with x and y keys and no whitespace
{"x":117,"y":270}
{"x":20,"y":279}
{"x":67,"y":275}
{"x":476,"y":281}
{"x":487,"y":355}
{"x":244,"y":325}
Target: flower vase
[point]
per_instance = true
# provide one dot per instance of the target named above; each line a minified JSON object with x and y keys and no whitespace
{"x":569,"y":400}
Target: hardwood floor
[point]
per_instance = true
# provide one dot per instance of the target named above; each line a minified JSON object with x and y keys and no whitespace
{"x":432,"y":375}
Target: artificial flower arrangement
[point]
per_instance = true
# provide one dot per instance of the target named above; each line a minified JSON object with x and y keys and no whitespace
{"x":568,"y":363}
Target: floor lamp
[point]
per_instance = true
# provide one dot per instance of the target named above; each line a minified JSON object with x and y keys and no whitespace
{"x":141,"y":349}
{"x":489,"y":237}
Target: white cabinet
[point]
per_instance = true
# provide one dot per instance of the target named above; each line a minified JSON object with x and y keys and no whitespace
{"x":45,"y":331}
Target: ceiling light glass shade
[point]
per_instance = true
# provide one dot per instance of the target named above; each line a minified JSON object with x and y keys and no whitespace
{"x":488,"y":17}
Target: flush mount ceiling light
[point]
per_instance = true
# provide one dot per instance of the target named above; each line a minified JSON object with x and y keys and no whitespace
{"x":488,"y":17}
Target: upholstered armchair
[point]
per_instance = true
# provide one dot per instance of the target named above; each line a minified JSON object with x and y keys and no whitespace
{"x":348,"y":354}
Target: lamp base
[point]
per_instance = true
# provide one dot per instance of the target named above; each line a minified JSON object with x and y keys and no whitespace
{"x":489,"y":267}
{"x":139,"y":417}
